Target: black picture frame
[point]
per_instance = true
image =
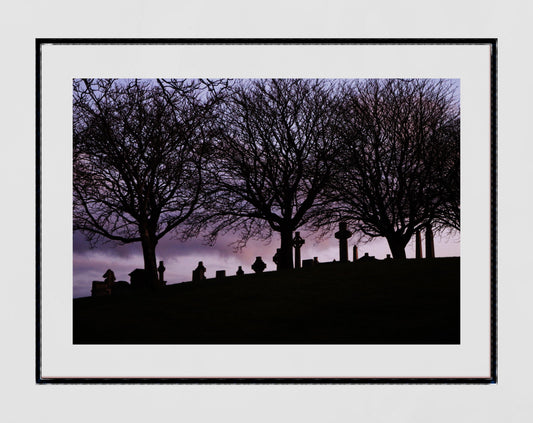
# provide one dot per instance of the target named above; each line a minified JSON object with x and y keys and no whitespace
{"x":492,"y":42}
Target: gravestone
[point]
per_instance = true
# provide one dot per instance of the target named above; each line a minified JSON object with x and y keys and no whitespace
{"x":120,"y":288}
{"x":297,"y":243}
{"x":355,"y":253}
{"x":367,"y":257}
{"x":198,"y":274}
{"x":102,"y":289}
{"x":240,"y":272}
{"x":161,"y":270}
{"x":308,"y":263}
{"x":109,"y":277}
{"x":220,"y":274}
{"x":342,"y":235}
{"x":138,"y":279}
{"x":259,"y":265}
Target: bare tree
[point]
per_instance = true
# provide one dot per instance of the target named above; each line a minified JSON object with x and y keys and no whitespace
{"x":448,"y":214}
{"x":273,"y":158}
{"x":139,"y":149}
{"x":399,"y":167}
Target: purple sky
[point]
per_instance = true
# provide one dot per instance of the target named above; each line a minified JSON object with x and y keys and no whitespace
{"x":181,"y":258}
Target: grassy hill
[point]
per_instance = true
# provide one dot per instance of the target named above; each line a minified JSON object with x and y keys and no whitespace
{"x":375,"y":302}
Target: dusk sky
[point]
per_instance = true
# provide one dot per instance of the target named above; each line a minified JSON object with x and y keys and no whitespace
{"x":180,"y":258}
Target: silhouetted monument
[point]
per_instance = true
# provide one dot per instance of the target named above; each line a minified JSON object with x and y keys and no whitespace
{"x":161,"y":270}
{"x":276,"y":258}
{"x":138,"y":279}
{"x":259,"y":265}
{"x":198,"y":274}
{"x":355,"y":253}
{"x":307,"y":263}
{"x":418,"y":245}
{"x":220,"y":274}
{"x":297,"y":243}
{"x":240,"y":272}
{"x":430,"y":247}
{"x":388,"y":257}
{"x":367,"y":257}
{"x":109,"y":277}
{"x":100,"y":289}
{"x":342,"y":235}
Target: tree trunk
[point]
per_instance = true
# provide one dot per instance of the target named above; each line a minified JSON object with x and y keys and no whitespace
{"x":397,"y":245}
{"x":150,"y":264}
{"x":286,"y":261}
{"x":430,"y":247}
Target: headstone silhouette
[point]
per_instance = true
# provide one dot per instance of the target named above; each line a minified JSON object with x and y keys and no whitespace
{"x":161,"y":270}
{"x":355,"y":253}
{"x":308,"y":263}
{"x":138,"y":279}
{"x":109,"y":277}
{"x":342,"y":235}
{"x":220,"y":274}
{"x":99,"y":288}
{"x":259,"y":265}
{"x":198,"y":274}
{"x":367,"y":257}
{"x":297,"y":243}
{"x":240,"y":272}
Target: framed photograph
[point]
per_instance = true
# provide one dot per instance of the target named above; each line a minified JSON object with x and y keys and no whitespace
{"x":266,"y":211}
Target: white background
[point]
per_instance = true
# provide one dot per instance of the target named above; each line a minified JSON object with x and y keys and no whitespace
{"x":60,"y":64}
{"x":22,"y":400}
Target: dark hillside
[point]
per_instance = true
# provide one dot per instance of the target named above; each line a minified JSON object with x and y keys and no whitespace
{"x":375,"y":302}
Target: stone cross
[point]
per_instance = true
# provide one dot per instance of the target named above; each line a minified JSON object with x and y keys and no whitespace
{"x":297,"y":243}
{"x":342,"y":235}
{"x":430,"y":247}
{"x":161,"y":270}
{"x":418,"y":245}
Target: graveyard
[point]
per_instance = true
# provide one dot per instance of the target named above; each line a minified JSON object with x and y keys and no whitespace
{"x":261,"y":159}
{"x":364,"y":301}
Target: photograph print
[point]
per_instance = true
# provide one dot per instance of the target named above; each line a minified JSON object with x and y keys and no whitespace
{"x":267,"y":211}
{"x":162,"y":163}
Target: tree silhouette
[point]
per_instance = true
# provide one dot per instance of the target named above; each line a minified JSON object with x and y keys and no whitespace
{"x":273,"y":157}
{"x":138,"y":158}
{"x":448,"y":215}
{"x":398,"y":170}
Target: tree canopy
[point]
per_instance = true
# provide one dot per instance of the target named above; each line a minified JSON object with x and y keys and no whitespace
{"x":273,"y":156}
{"x":262,"y":156}
{"x":398,"y":170}
{"x":138,"y":158}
